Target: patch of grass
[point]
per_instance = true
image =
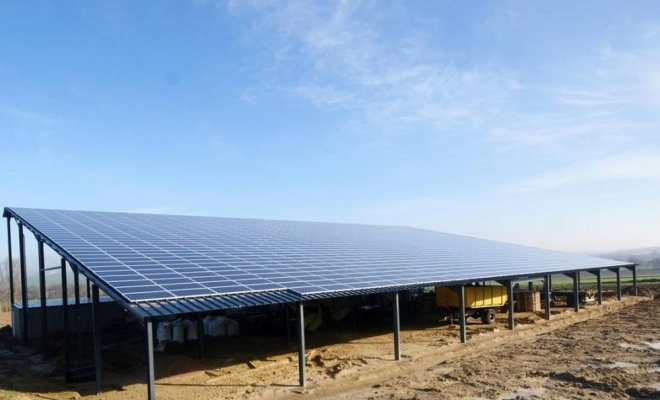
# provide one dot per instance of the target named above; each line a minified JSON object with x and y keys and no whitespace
{"x":606,"y":279}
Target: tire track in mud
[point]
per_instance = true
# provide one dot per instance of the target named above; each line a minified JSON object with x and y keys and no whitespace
{"x":436,"y":357}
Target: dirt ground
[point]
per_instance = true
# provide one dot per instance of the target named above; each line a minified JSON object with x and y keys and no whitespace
{"x":604,"y":352}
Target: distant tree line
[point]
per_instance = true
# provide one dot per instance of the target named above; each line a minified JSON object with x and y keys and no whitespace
{"x":53,"y":286}
{"x":4,"y":283}
{"x":645,"y":258}
{"x":653,"y":263}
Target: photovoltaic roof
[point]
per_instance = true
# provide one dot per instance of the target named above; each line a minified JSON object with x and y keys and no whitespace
{"x":144,"y":257}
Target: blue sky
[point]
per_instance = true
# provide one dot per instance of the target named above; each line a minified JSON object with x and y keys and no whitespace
{"x":529,"y":122}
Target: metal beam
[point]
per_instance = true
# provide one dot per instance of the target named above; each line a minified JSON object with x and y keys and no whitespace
{"x":65,"y":320}
{"x":547,"y":293}
{"x":301,"y":344}
{"x":24,"y":293}
{"x":461,"y":313}
{"x":88,"y":287}
{"x":151,"y":376}
{"x":11,"y":265}
{"x":397,"y":326}
{"x":42,"y":298}
{"x":634,"y":276}
{"x":576,"y":291}
{"x":96,"y":326}
{"x":512,"y":321}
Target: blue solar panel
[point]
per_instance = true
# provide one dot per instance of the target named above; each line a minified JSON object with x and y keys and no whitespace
{"x":153,"y":257}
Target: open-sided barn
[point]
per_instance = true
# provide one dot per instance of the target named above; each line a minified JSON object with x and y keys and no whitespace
{"x":157,"y":266}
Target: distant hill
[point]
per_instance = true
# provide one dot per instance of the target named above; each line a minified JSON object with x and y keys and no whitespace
{"x":646,"y":258}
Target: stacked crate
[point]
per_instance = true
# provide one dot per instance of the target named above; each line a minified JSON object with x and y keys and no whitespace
{"x":529,"y":301}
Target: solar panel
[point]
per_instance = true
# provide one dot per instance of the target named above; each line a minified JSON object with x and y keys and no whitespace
{"x":157,"y":257}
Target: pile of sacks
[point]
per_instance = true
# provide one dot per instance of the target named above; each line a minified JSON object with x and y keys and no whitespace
{"x":178,"y":331}
{"x":181,"y":330}
{"x":220,"y":326}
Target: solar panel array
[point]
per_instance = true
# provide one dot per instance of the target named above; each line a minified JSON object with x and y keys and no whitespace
{"x":154,"y":257}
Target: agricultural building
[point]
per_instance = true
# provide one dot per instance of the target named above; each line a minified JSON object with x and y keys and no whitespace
{"x":159,"y":266}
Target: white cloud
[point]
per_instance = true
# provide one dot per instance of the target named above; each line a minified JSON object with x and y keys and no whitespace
{"x":629,"y":166}
{"x":601,"y":105}
{"x":28,"y":125}
{"x":553,"y":132}
{"x":343,"y":56}
{"x":651,"y":84}
{"x":346,"y":58}
{"x":593,"y":98}
{"x":651,"y":31}
{"x":27,"y":116}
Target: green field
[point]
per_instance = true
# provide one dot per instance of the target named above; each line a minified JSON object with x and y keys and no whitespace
{"x":607,"y":280}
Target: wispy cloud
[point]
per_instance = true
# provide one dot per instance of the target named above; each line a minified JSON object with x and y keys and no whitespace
{"x":651,"y":31}
{"x":350,"y":62}
{"x":554,"y":132}
{"x":629,"y":166}
{"x":26,"y":124}
{"x":342,"y":55}
{"x":593,"y":98}
{"x":25,"y":115}
{"x":597,"y":106}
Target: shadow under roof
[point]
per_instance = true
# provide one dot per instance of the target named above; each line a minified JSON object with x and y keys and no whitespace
{"x":145,"y":259}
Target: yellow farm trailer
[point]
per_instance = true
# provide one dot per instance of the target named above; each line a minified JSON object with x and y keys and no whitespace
{"x":480,"y":301}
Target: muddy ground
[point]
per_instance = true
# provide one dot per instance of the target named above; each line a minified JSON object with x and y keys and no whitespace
{"x":604,"y":352}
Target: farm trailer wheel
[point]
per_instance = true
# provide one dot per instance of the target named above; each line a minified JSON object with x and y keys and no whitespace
{"x":488,"y":316}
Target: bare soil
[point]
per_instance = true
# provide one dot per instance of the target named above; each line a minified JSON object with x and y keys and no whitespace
{"x":604,"y":352}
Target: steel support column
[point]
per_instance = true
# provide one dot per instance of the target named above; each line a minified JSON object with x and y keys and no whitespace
{"x":287,"y":323}
{"x":353,"y":315}
{"x":461,"y":313}
{"x":96,"y":326}
{"x":576,"y":291}
{"x":403,"y":305}
{"x":547,"y":293}
{"x":88,"y":287}
{"x":42,"y":298}
{"x":634,"y":276}
{"x":65,"y":319}
{"x":617,"y":271}
{"x":76,"y":293}
{"x":11,"y":266}
{"x":301,"y":344}
{"x":151,"y":376}
{"x":512,"y":321}
{"x":599,"y":287}
{"x":397,"y":326}
{"x":200,"y":337}
{"x":24,"y":293}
